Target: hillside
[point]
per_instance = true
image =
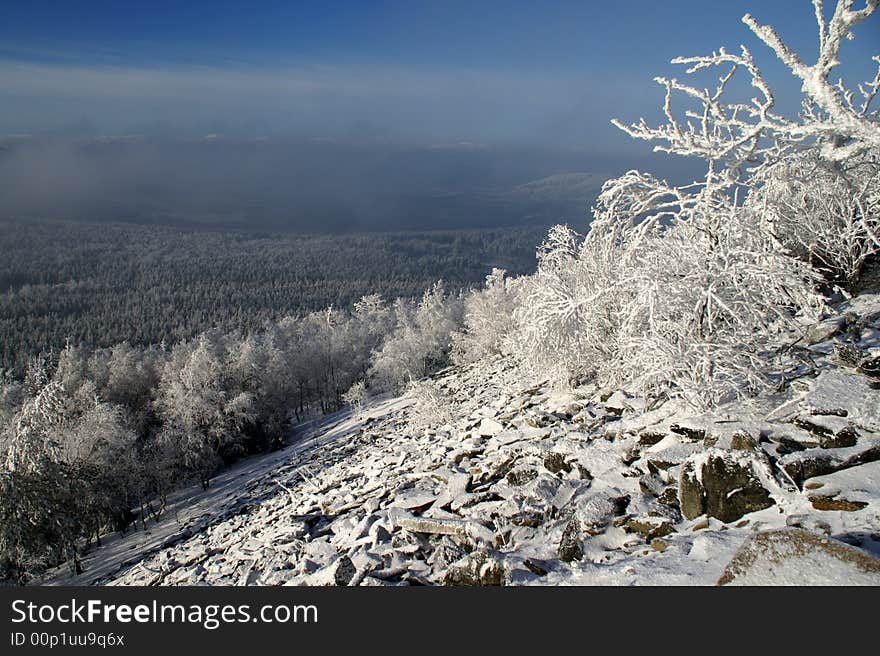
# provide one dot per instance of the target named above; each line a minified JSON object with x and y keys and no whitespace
{"x":685,"y":393}
{"x":522,"y":485}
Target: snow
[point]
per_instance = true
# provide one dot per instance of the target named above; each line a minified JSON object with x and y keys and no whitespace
{"x":859,"y":483}
{"x":846,"y":393}
{"x":368,"y":499}
{"x":795,"y":557}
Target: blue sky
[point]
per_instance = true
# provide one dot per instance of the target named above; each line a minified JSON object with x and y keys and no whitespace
{"x":523,"y":72}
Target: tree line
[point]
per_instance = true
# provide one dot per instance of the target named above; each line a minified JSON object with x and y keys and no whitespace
{"x":103,"y":284}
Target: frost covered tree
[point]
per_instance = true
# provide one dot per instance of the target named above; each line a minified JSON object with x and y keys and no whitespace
{"x":488,"y":319}
{"x":10,"y":398}
{"x":566,"y":320}
{"x":201,"y":418}
{"x":679,"y":290}
{"x":736,"y":137}
{"x":69,"y":462}
{"x":421,"y":341}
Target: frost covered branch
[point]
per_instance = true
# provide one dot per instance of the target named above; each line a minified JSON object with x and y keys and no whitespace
{"x":853,"y":126}
{"x":748,"y":133}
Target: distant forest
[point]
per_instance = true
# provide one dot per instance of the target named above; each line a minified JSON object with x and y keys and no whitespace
{"x":103,"y":284}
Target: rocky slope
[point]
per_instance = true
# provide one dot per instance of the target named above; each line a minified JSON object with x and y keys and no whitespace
{"x":524,"y":485}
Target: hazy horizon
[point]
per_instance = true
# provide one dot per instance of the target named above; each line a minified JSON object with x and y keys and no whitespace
{"x":390,"y":115}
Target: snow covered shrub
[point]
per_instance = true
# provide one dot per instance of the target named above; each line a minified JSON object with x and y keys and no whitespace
{"x":566,"y":320}
{"x":824,"y":213}
{"x":488,"y":319}
{"x":432,"y":407}
{"x":355,"y":396}
{"x":737,"y":138}
{"x":69,"y":468}
{"x":703,"y":287}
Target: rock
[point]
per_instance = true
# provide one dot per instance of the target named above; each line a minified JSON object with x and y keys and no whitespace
{"x":692,"y":433}
{"x":849,"y":355}
{"x":659,"y":545}
{"x":555,"y":463}
{"x":742,"y":441}
{"x":823,"y":331}
{"x":797,"y":557}
{"x":845,"y":394}
{"x":433,"y":526}
{"x":870,"y":367}
{"x":446,"y":553}
{"x":831,"y":503}
{"x":700,"y":525}
{"x":414,"y":500}
{"x":339,"y":573}
{"x":364,"y":561}
{"x":536,"y":567}
{"x":521,"y":476}
{"x":466,"y":529}
{"x":567,"y":491}
{"x":723,"y":484}
{"x":649,"y":527}
{"x":669,"y":497}
{"x":819,"y":462}
{"x":457,"y":483}
{"x":531,"y":518}
{"x":480,"y":568}
{"x":809,"y":523}
{"x":657,"y":465}
{"x":650,"y":436}
{"x":379,"y":534}
{"x":569,"y":548}
{"x":843,"y":438}
{"x":503,"y":468}
{"x":619,"y":402}
{"x":651,"y":485}
{"x":489,"y":427}
{"x":833,"y":432}
{"x":848,"y":490}
{"x":596,"y":511}
{"x":666,"y":455}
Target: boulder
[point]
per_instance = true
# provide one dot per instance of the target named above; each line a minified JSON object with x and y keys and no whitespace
{"x":723,"y":484}
{"x":832,"y":432}
{"x":555,"y":463}
{"x":480,"y":568}
{"x":649,"y":527}
{"x":794,"y":556}
{"x":339,"y":573}
{"x":594,"y":512}
{"x":570,"y":545}
{"x":823,"y":331}
{"x":802,"y":465}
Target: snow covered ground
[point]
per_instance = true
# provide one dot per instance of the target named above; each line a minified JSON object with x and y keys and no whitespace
{"x":531,"y":486}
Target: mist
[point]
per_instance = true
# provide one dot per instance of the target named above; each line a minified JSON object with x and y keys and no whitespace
{"x":306,"y":184}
